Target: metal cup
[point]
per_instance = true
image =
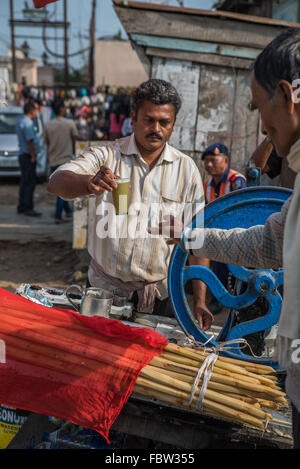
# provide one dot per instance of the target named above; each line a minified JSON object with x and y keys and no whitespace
{"x":120,"y":298}
{"x":95,"y":301}
{"x":121,"y":196}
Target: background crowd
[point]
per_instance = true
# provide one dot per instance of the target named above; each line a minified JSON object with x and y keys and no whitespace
{"x":99,"y":113}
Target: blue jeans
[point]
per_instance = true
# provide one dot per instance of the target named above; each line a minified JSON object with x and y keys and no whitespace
{"x":27,"y":183}
{"x":61,"y":205}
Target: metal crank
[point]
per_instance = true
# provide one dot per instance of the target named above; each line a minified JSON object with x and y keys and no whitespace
{"x":239,"y":209}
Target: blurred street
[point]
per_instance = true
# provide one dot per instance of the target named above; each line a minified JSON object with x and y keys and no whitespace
{"x":35,"y":250}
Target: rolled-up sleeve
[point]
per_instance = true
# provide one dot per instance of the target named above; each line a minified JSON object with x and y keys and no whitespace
{"x":88,"y":162}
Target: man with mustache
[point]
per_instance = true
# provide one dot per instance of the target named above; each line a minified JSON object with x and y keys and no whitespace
{"x":275,"y":94}
{"x":163,"y":180}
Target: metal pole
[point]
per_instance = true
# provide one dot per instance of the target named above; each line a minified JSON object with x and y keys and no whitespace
{"x":13,"y":49}
{"x":66,"y":45}
{"x":92,"y":45}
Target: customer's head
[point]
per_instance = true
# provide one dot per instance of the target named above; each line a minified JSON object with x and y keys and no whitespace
{"x":59,"y":109}
{"x":216,"y":159}
{"x":155,"y":104}
{"x":30,"y":110}
{"x":274,"y":90}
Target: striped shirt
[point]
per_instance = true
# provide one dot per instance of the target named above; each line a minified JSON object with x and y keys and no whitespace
{"x":128,"y":252}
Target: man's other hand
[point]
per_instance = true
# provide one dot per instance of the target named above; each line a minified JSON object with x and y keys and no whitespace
{"x":170,"y":227}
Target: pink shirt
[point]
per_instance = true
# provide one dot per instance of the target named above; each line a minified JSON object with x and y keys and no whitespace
{"x":114,"y":125}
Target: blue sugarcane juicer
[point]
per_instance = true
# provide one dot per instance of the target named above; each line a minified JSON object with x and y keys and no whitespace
{"x":253,"y":288}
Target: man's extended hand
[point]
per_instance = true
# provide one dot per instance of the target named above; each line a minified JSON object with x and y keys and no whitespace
{"x":170,"y":227}
{"x":102,"y":181}
{"x":202,"y":314}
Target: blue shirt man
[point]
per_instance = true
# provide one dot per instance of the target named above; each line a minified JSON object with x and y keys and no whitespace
{"x":28,"y":149}
{"x":26,"y":133}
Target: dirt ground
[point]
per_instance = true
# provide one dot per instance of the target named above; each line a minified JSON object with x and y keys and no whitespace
{"x":36,"y":250}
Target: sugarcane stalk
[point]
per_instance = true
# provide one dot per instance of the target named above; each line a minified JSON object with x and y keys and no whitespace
{"x":223,"y":368}
{"x":57,"y":339}
{"x":237,"y":364}
{"x":160,"y":391}
{"x":79,"y":333}
{"x":45,"y":361}
{"x":191,"y":371}
{"x":213,"y":385}
{"x":210,"y":394}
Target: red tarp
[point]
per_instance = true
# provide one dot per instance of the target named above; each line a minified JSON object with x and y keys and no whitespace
{"x":42,"y":3}
{"x":49,"y":368}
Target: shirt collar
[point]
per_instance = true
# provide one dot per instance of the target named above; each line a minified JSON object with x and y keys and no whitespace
{"x":128,"y":147}
{"x":223,"y":178}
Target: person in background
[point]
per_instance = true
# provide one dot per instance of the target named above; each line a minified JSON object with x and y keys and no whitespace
{"x":222,"y":180}
{"x":29,"y":147}
{"x":60,"y":137}
{"x":127,"y":127}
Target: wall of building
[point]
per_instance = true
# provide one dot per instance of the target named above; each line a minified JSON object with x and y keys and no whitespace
{"x":46,"y":76}
{"x":214,"y":109}
{"x":286,"y":10}
{"x":117,"y":64}
{"x":27,"y":68}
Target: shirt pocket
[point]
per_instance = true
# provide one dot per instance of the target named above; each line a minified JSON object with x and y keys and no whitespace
{"x":171,"y":204}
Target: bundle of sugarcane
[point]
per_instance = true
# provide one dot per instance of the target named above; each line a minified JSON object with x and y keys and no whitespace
{"x":237,"y":390}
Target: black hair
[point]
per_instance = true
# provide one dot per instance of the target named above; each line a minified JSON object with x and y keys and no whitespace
{"x":157,"y":91}
{"x":28,"y":107}
{"x":57,"y":106}
{"x":280,"y":60}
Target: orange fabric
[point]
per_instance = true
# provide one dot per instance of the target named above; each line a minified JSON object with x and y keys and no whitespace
{"x":60,"y":363}
{"x":209,"y":190}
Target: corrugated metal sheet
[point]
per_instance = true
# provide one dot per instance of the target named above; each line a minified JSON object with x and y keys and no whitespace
{"x":212,"y":13}
{"x":194,"y":46}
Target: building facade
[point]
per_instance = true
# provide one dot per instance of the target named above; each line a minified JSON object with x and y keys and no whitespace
{"x":117,"y":64}
{"x":284,"y":10}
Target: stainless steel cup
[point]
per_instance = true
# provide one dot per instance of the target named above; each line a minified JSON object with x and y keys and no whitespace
{"x":120,"y":298}
{"x":94,"y":302}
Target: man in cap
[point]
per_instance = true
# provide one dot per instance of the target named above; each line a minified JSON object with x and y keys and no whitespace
{"x":222,"y":179}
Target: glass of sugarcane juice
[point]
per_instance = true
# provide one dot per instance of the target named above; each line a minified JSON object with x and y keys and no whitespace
{"x":121,"y":196}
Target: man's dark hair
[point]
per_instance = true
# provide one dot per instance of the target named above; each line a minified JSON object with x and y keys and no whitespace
{"x":157,"y":91}
{"x":57,"y":107}
{"x":28,"y":107}
{"x":280,"y":60}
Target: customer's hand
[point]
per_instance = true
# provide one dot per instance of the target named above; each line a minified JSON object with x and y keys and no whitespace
{"x":202,"y":314}
{"x":102,"y":181}
{"x":170,"y":227}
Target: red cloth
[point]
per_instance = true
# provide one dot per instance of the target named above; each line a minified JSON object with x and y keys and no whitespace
{"x":89,"y":393}
{"x":42,"y":3}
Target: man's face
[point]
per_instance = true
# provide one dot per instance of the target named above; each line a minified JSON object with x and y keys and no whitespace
{"x":215,"y":165}
{"x":33,"y":114}
{"x":279,"y":116}
{"x":153,"y":125}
